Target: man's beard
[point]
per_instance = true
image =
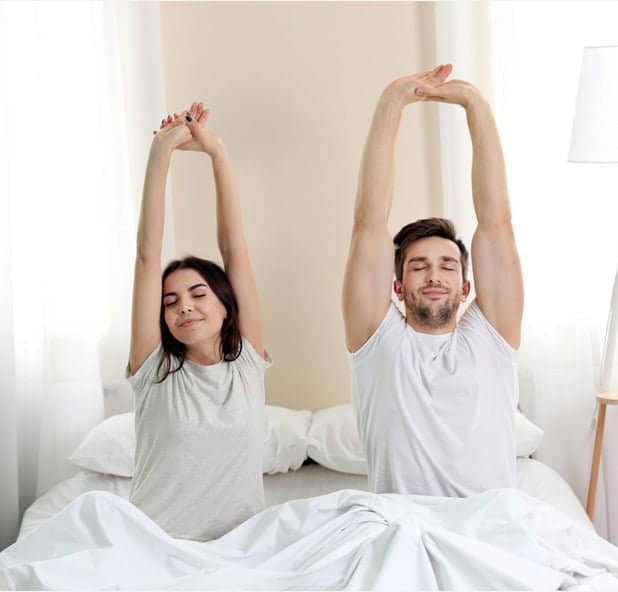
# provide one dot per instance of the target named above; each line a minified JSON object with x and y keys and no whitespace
{"x":430,"y":317}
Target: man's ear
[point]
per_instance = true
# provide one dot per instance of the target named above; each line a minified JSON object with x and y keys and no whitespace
{"x":398,"y":289}
{"x":465,"y":289}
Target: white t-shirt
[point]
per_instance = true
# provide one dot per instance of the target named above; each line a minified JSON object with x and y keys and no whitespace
{"x":200,"y":437}
{"x":435,"y":412}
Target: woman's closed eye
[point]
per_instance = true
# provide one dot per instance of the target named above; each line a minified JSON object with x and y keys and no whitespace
{"x":166,"y":304}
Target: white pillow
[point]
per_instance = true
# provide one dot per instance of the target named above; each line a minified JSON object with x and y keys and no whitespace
{"x":110,"y":446}
{"x":334,"y":441}
{"x":285,"y":446}
{"x":528,"y":436}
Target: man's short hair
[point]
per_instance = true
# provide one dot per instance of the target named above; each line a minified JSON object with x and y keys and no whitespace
{"x":422,"y":229}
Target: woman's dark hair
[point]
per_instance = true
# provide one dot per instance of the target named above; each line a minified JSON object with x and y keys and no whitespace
{"x":217,"y":280}
{"x":422,"y":229}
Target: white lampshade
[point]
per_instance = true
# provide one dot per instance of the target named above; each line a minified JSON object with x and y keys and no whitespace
{"x":594,"y":137}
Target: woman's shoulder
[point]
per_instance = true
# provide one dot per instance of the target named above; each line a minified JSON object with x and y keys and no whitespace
{"x":250,"y":357}
{"x":147,"y":368}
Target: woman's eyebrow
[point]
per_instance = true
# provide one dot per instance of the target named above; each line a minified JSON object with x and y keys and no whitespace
{"x":191,"y":288}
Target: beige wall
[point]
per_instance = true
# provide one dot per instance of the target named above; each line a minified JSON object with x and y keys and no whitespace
{"x":292,"y":88}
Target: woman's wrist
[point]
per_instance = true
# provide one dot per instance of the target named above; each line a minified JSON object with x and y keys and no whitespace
{"x":160,"y":148}
{"x":217,"y":150}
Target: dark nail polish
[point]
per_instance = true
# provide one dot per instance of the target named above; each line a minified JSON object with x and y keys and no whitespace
{"x":188,"y":117}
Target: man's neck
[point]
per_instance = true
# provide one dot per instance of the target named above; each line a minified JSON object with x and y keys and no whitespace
{"x":430,"y":329}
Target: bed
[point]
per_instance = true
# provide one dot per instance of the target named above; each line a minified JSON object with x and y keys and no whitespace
{"x":321,"y":528}
{"x":312,"y":479}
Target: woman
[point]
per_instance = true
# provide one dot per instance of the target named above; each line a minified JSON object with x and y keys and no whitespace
{"x":197,"y":359}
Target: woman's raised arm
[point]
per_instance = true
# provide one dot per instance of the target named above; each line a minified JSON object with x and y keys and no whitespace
{"x":230,"y":233}
{"x":145,"y":330}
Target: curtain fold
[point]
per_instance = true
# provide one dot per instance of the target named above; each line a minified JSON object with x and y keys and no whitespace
{"x":71,"y":177}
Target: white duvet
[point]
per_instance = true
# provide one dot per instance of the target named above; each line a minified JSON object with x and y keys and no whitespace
{"x":500,"y":540}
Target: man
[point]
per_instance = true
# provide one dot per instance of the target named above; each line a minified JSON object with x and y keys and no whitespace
{"x":434,"y":398}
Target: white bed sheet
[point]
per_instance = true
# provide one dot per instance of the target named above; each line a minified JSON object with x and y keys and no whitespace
{"x":534,"y":478}
{"x":501,"y":539}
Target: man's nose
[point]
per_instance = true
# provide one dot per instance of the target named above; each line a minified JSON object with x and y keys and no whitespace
{"x":433,"y":275}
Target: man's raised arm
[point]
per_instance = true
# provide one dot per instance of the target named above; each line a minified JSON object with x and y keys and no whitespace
{"x":368,"y":277}
{"x":495,"y":260}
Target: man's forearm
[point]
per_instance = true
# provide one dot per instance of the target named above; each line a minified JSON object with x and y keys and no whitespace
{"x":489,"y":186}
{"x":375,"y":184}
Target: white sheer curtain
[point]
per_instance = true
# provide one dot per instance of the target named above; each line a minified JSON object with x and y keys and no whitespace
{"x":81,"y":91}
{"x":564,"y":214}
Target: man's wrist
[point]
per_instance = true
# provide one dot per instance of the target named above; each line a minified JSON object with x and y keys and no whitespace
{"x":393,"y":96}
{"x":475,"y":102}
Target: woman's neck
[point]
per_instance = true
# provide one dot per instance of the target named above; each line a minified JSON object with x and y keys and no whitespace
{"x":205,"y":353}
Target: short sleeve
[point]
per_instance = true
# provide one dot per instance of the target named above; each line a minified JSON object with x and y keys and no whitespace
{"x":392,"y":320}
{"x":249,"y":357}
{"x":147,"y":371}
{"x":473,"y":316}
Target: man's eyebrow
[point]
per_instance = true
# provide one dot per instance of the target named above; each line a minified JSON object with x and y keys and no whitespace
{"x":423,"y":259}
{"x":191,"y":288}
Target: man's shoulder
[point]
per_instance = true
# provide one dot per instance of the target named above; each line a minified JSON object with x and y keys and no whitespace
{"x":474,"y":325}
{"x":388,"y":331}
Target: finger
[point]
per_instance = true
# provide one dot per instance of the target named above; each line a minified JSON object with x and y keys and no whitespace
{"x":203,"y":116}
{"x":447,"y":71}
{"x":201,"y":110}
{"x":443,"y":73}
{"x":431,"y":73}
{"x":426,"y":91}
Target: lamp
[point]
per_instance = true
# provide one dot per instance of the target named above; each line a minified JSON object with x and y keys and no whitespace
{"x":594,"y":138}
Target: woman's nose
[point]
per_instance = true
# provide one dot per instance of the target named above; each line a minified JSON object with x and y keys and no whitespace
{"x":185,"y":307}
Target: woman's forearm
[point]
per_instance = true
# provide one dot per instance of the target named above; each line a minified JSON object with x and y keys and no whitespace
{"x":152,"y":214}
{"x":230,"y":234}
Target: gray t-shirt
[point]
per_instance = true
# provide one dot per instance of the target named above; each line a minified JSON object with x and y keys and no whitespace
{"x":200,"y":437}
{"x":435,"y":412}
